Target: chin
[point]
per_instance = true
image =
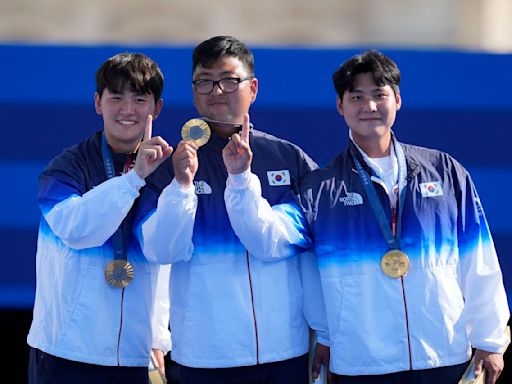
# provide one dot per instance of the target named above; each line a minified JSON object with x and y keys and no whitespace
{"x":377,"y":131}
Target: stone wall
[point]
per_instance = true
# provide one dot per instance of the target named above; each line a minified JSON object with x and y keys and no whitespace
{"x":466,"y":24}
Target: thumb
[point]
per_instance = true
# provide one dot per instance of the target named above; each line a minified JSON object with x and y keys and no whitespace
{"x":479,"y":367}
{"x":168,"y":151}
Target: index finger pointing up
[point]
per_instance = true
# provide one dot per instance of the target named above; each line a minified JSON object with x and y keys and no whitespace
{"x":148,"y":131}
{"x":245,"y":129}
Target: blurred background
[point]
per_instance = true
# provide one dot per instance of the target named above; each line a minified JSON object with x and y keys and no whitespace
{"x":455,"y":57}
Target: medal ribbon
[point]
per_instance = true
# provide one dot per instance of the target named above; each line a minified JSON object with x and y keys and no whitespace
{"x":108,"y":163}
{"x":393,"y":241}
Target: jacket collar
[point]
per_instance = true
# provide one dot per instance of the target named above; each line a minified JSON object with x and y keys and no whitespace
{"x":413,"y":166}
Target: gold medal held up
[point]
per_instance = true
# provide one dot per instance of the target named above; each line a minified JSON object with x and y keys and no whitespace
{"x":196,"y":130}
{"x":119,"y":273}
{"x":395,"y":263}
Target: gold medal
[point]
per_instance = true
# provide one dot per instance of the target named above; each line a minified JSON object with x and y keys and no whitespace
{"x":196,"y":130}
{"x":395,"y":263}
{"x":119,"y":273}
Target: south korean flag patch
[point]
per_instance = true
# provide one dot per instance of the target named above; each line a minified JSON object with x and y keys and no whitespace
{"x":431,"y":189}
{"x":278,"y":178}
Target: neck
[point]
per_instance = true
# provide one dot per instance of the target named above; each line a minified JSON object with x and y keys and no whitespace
{"x":123,"y":147}
{"x":374,"y":148}
{"x":224,"y":130}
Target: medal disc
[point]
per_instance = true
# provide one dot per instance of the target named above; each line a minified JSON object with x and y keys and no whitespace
{"x":395,"y":263}
{"x":119,"y":273}
{"x":196,"y":130}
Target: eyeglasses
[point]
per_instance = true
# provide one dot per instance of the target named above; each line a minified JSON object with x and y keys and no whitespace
{"x":226,"y":85}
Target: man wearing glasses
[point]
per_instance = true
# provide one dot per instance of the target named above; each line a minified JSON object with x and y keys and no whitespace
{"x":234,"y":317}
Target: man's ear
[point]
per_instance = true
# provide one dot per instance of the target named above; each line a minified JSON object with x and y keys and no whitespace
{"x":254,"y":89}
{"x":398,"y":98}
{"x":97,"y":103}
{"x":339,"y":105}
{"x":158,"y":108}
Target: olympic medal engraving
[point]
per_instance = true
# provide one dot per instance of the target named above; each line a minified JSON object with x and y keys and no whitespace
{"x":119,"y":273}
{"x":395,"y":263}
{"x":196,"y":130}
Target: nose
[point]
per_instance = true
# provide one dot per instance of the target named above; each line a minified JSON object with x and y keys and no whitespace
{"x":370,"y":104}
{"x":216,"y":89}
{"x":127,"y":106}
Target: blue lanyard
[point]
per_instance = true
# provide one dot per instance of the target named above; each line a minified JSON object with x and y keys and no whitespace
{"x":108,"y":163}
{"x":393,"y":241}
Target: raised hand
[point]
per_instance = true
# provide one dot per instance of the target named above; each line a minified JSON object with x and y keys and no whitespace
{"x":152,"y":151}
{"x":237,"y":154}
{"x":185,"y":162}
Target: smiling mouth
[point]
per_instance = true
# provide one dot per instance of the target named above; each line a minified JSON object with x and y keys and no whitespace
{"x":218,"y":103}
{"x":126,"y":122}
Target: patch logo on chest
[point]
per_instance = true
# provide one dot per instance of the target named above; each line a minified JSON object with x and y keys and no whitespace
{"x":431,"y":189}
{"x":202,"y":188}
{"x":278,"y":178}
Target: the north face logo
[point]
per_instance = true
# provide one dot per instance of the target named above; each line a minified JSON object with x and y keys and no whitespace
{"x":339,"y":194}
{"x":336,"y":192}
{"x":202,"y":188}
{"x":352,"y":198}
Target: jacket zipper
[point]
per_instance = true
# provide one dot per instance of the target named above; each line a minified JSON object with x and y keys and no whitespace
{"x":129,"y":163}
{"x":407,"y":323}
{"x":393,"y":228}
{"x":253,"y":310}
{"x":120,"y":328}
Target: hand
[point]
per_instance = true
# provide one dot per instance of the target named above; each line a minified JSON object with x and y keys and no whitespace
{"x":321,"y":357}
{"x":237,"y":154}
{"x":158,"y":356}
{"x":152,"y":151}
{"x":185,"y":163}
{"x":492,"y":362}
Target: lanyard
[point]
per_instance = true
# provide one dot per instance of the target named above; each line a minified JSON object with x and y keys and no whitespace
{"x":108,"y":163}
{"x":393,"y":241}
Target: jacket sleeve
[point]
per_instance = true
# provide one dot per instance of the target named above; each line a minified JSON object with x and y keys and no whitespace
{"x":314,"y":304}
{"x":88,"y":220}
{"x":486,"y":309}
{"x":160,"y":315}
{"x":268,"y":233}
{"x":165,"y":234}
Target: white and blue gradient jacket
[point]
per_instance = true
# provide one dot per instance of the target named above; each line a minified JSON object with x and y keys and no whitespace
{"x":77,"y":315}
{"x":228,"y":307}
{"x":451,"y":298}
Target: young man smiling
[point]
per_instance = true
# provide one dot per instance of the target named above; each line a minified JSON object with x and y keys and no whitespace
{"x":410,"y":276}
{"x":95,"y":291}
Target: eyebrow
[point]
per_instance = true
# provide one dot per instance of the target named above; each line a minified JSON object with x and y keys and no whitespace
{"x":375,"y":89}
{"x":210,"y":73}
{"x":124,"y":92}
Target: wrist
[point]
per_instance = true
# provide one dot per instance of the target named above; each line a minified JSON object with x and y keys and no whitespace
{"x":239,"y":180}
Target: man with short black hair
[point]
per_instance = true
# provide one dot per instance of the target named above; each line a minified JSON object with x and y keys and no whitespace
{"x":234,"y":317}
{"x":95,"y":290}
{"x":410,"y":276}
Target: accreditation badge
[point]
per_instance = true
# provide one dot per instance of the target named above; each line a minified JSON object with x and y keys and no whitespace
{"x":119,"y":273}
{"x":395,"y":263}
{"x":196,"y":130}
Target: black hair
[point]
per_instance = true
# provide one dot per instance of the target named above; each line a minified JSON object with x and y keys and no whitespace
{"x":209,"y":51}
{"x":136,"y":69}
{"x":383,"y":69}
